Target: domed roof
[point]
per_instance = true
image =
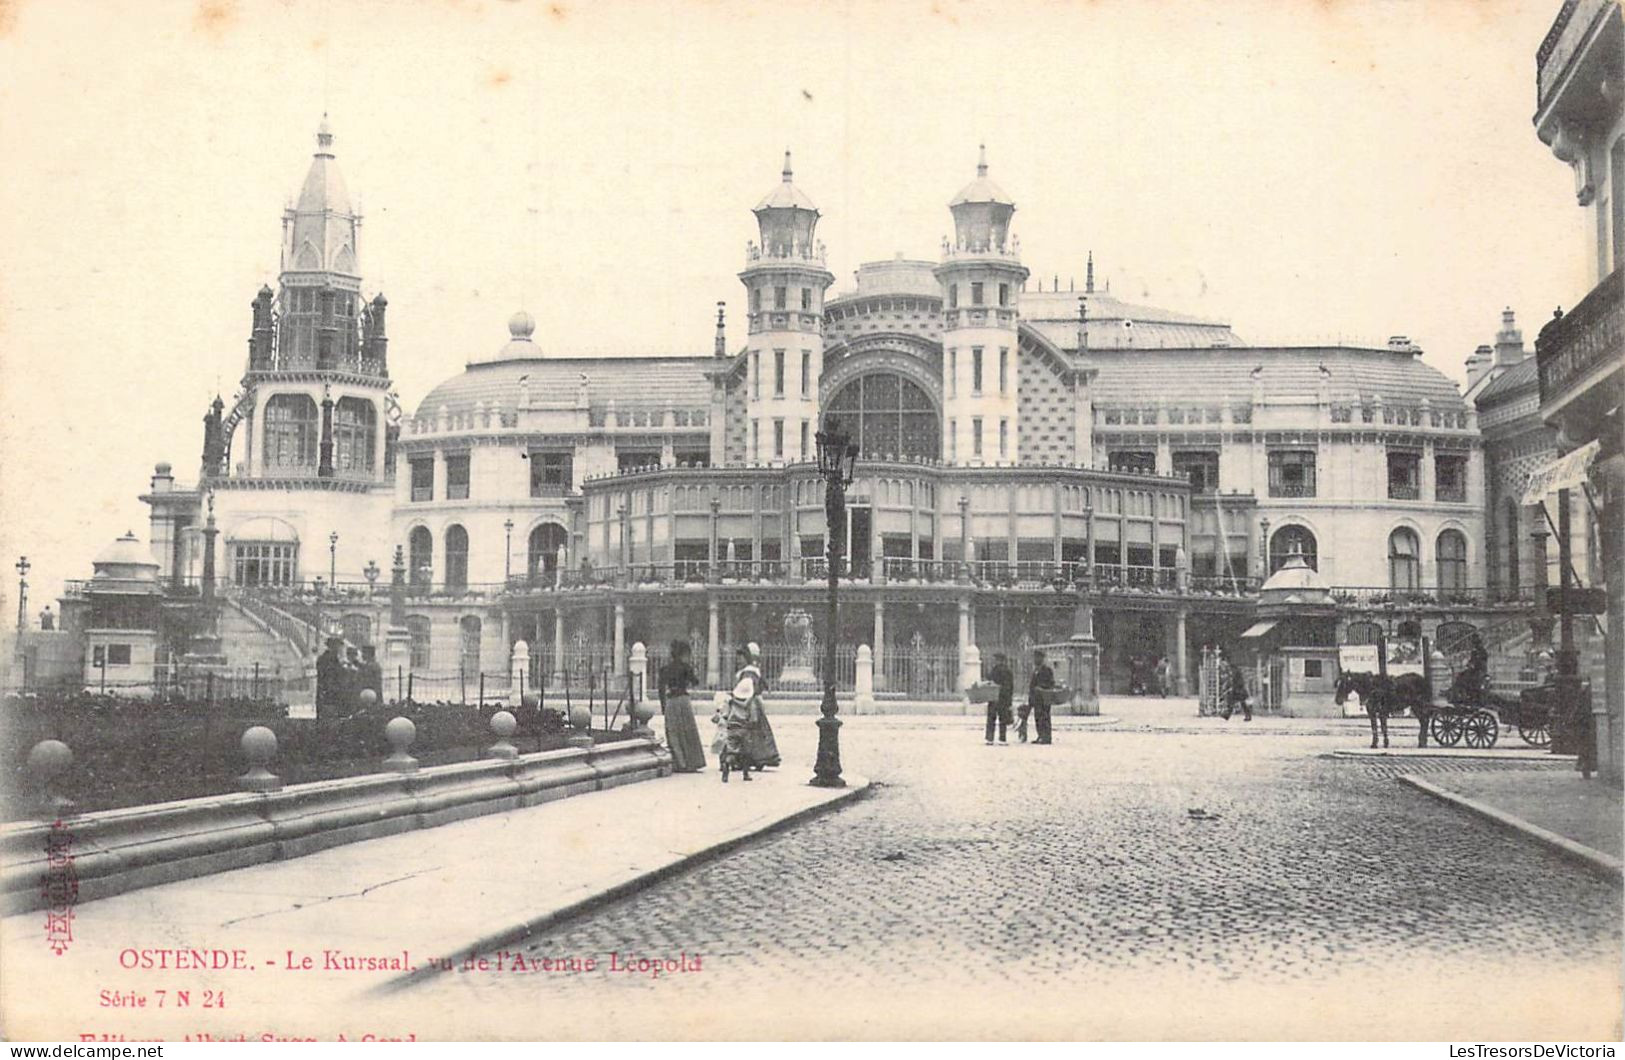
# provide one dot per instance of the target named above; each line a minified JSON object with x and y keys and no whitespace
{"x":1295,"y":583}
{"x":982,"y":189}
{"x":124,"y":561}
{"x":786,"y":196}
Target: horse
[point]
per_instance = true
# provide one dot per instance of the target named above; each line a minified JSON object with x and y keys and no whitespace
{"x":1382,"y":696}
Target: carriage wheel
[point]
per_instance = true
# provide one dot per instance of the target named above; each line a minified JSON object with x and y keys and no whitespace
{"x":1446,"y":728}
{"x":1535,"y":732}
{"x":1481,"y":729}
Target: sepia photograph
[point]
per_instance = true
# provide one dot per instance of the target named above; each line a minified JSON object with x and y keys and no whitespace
{"x":766,"y":520}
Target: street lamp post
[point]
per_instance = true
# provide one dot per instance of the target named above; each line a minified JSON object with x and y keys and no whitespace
{"x":507,"y":552}
{"x":333,"y":559}
{"x":371,"y":572}
{"x":23,"y":567}
{"x":836,"y":458}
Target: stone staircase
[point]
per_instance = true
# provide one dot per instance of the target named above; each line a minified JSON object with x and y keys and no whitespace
{"x":261,"y":645}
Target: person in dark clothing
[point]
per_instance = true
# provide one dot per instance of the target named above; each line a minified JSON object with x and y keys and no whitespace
{"x":998,"y":710}
{"x":372,"y":674}
{"x":1237,"y":694}
{"x":1040,"y":691}
{"x":682,"y":734}
{"x":330,"y":679}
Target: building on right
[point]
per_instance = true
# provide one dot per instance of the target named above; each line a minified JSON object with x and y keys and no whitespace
{"x":1580,"y":354}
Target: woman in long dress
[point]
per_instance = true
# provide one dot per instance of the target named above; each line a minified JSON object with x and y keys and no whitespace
{"x":760,"y":747}
{"x":682,"y":734}
{"x":744,"y":704}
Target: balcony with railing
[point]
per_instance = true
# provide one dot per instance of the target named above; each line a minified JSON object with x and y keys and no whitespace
{"x":1387,"y":598}
{"x":1574,"y":351}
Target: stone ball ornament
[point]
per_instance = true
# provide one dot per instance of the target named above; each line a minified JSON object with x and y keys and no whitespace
{"x":580,"y":717}
{"x":503,"y":724}
{"x":48,"y":759}
{"x":368,"y":697}
{"x":400,"y":732}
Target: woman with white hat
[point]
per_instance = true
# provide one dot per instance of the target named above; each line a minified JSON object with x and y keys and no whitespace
{"x":760,"y":747}
{"x":744,"y":702}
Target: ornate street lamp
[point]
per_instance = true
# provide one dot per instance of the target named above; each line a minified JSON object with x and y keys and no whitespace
{"x":371,"y":572}
{"x":507,"y":552}
{"x":333,"y":560}
{"x":23,"y":567}
{"x":837,"y":457}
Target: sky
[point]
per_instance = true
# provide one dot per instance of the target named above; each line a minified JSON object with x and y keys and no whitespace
{"x":1307,"y":171}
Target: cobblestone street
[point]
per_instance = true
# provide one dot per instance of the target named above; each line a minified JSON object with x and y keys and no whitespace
{"x":1124,"y":882}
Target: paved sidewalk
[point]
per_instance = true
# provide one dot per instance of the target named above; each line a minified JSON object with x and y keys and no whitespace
{"x":398,"y":903}
{"x":1557,"y":807}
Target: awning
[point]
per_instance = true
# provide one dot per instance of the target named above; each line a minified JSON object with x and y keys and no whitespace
{"x":1565,"y":473}
{"x":1258,"y":629}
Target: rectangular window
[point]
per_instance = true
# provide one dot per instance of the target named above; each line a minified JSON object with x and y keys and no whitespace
{"x":953,"y":373}
{"x":1201,"y":466}
{"x":780,"y":296}
{"x":693,"y":457}
{"x":423,"y":478}
{"x":953,"y":296}
{"x":1004,"y":369}
{"x":975,"y":294}
{"x":1004,"y":294}
{"x":118,"y":655}
{"x":636,"y":459}
{"x":976,"y":369}
{"x":457,"y":477}
{"x":1137,"y":461}
{"x":1292,"y":473}
{"x":778,"y":373}
{"x":550,"y":474}
{"x":1312,"y":669}
{"x":1450,"y":477}
{"x":806,"y":374}
{"x":953,"y":439}
{"x":778,"y":439}
{"x":976,"y":436}
{"x":756,"y":439}
{"x":806,"y":299}
{"x":1004,"y":439}
{"x":1404,"y":476}
{"x":755,"y":299}
{"x":803,"y":452}
{"x":755,"y":373}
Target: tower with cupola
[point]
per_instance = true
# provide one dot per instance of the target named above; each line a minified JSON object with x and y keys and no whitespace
{"x":785,"y":279}
{"x":981,"y":276}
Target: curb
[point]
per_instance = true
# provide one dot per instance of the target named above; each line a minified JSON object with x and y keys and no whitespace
{"x":1604,"y":864}
{"x":551,"y":918}
{"x":1450,"y":754}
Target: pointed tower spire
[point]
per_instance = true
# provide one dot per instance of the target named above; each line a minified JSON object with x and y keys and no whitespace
{"x":1089,"y":277}
{"x":324,"y":138}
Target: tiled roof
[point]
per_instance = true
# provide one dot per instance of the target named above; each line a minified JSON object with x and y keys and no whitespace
{"x":629,"y":382}
{"x":1509,"y":382}
{"x":1115,"y":324}
{"x":1203,"y":376}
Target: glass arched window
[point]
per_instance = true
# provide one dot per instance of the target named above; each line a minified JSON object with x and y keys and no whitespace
{"x":1404,"y":560}
{"x":1290,"y":539}
{"x":456,"y":557}
{"x":888,"y":415}
{"x":1451,"y":556}
{"x":418,"y":627}
{"x":290,"y":431}
{"x":545,"y":542}
{"x":420,"y":561}
{"x":355,"y":430}
{"x":468,"y":658}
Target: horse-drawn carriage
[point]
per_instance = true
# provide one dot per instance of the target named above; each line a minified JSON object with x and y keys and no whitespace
{"x":1403,"y":679}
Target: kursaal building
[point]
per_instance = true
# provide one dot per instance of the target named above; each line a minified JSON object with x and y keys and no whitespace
{"x":1026,"y":455}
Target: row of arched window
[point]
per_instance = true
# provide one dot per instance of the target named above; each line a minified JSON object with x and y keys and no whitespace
{"x":293,"y":433}
{"x":542,"y":554}
{"x":1404,"y":556}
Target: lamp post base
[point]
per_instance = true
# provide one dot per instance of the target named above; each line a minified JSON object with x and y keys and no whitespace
{"x":827,"y":766}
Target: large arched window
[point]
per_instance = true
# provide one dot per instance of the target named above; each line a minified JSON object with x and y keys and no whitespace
{"x":456,"y":557}
{"x":420,"y":562}
{"x":468,"y":658}
{"x":290,"y":431}
{"x":417,"y":626}
{"x":888,"y":415}
{"x":1404,"y":560}
{"x":355,"y":431}
{"x":545,"y":542}
{"x":1451,"y":556}
{"x":1290,"y":539}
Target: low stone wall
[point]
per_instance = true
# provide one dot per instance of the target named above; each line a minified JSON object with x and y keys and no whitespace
{"x":113,"y":851}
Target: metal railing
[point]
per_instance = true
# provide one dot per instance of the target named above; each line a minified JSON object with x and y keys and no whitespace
{"x":1591,"y":333}
{"x":1368,"y":596}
